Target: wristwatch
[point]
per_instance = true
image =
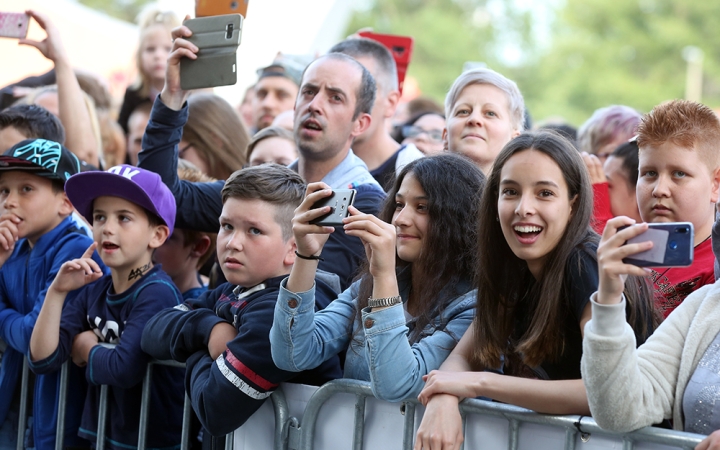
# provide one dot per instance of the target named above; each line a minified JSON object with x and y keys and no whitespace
{"x":386,"y":301}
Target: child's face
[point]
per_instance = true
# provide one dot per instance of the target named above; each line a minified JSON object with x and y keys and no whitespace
{"x":176,"y":257}
{"x":136,"y":129}
{"x":31,"y":199}
{"x":250,"y":245}
{"x":534,"y":207}
{"x":675,"y":185}
{"x":123,"y":232}
{"x":623,"y":200}
{"x":154,"y":50}
{"x":410,"y":219}
{"x":274,"y":150}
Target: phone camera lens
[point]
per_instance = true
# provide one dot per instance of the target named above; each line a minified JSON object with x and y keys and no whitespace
{"x":672,"y":245}
{"x":683,"y":230}
{"x":233,"y":5}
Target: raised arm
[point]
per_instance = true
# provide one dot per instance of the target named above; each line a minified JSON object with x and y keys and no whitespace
{"x":74,"y":114}
{"x":198,"y":204}
{"x":71,"y":276}
{"x":629,"y":388}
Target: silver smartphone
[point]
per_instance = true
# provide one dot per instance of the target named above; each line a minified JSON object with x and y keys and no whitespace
{"x":338,"y":202}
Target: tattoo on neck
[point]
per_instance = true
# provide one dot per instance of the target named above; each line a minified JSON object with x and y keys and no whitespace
{"x":140,"y":271}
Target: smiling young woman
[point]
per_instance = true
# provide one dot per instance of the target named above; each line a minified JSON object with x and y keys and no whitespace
{"x":537,"y":268}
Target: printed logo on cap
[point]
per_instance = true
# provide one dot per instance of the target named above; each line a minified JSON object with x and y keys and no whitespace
{"x":41,"y":152}
{"x":124,"y":171}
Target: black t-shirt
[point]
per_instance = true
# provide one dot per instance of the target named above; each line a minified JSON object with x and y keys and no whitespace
{"x":581,"y":280}
{"x":385,"y":173}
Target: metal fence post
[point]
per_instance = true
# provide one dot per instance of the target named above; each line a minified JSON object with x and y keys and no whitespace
{"x":22,"y":420}
{"x":102,"y":418}
{"x":144,"y":407}
{"x":61,"y":406}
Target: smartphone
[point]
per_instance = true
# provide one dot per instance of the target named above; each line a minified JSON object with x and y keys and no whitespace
{"x":14,"y":25}
{"x":401,"y":48}
{"x":338,"y":203}
{"x":217,"y":39}
{"x":205,"y":8}
{"x":672,"y":245}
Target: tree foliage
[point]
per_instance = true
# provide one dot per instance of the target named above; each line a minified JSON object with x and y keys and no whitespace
{"x":597,"y":52}
{"x":446,"y":35}
{"x":126,"y":10}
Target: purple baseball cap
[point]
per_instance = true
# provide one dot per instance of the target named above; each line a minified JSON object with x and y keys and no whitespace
{"x":136,"y":185}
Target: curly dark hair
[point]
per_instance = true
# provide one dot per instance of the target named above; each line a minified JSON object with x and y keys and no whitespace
{"x":453,"y":185}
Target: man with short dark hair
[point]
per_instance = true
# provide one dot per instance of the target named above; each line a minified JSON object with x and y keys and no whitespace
{"x":382,"y":154}
{"x":275,"y":90}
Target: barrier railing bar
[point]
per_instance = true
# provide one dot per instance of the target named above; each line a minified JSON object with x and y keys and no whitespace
{"x":62,"y":402}
{"x":359,"y":426}
{"x":513,"y":414}
{"x":22,"y":420}
{"x":144,"y":408}
{"x":570,"y":439}
{"x":647,"y":434}
{"x":187,"y":411}
{"x":282,"y":413}
{"x":513,"y":434}
{"x":102,"y":418}
{"x":628,"y":444}
{"x":409,"y":425}
{"x":229,"y":438}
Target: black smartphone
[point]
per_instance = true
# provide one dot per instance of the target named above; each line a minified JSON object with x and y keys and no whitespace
{"x":338,"y":203}
{"x":672,"y":245}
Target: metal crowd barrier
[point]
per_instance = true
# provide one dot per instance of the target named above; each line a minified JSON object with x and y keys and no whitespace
{"x":291,"y":433}
{"x":102,"y":410}
{"x":301,"y":434}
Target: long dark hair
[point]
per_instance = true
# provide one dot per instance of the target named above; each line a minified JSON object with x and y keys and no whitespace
{"x":453,"y":186}
{"x":503,"y":279}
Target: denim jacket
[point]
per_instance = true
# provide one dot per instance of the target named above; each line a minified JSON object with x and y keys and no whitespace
{"x":381,"y":353}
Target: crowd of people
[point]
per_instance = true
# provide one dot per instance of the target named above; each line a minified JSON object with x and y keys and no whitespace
{"x":482,"y":256}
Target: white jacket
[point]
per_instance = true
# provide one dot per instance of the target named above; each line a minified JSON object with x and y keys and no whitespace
{"x":631,"y":388}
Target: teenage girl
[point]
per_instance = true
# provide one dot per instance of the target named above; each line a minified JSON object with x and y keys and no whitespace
{"x":151,"y":60}
{"x":537,"y":268}
{"x":414,"y":299}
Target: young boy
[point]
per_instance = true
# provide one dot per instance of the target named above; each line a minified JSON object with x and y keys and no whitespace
{"x":37,"y":236}
{"x":679,"y":182}
{"x":132,"y":213}
{"x":186,"y":251}
{"x":223,"y":336}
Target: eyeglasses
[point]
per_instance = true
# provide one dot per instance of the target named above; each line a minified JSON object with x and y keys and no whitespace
{"x":411,"y":131}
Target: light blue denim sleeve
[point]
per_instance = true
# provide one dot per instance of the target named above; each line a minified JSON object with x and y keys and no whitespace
{"x":396,"y":367}
{"x":302,"y":339}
